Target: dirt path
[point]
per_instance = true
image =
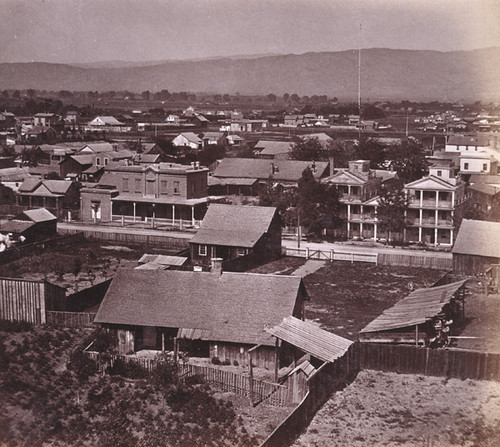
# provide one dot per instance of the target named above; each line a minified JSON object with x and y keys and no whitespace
{"x":310,"y":266}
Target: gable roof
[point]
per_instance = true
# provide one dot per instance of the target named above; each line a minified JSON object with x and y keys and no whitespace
{"x":230,"y":307}
{"x":345,"y":176}
{"x":97,"y":147}
{"x":273,"y":147}
{"x":57,"y":186}
{"x":416,"y":308}
{"x":478,"y":238}
{"x":234,"y":225}
{"x":430,"y":182}
{"x":108,"y":120}
{"x":29,"y":184}
{"x":284,"y":170}
{"x":310,"y":338}
{"x":190,"y":136}
{"x":36,"y":215}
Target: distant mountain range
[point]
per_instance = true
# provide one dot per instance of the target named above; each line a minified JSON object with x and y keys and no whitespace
{"x":386,"y":74}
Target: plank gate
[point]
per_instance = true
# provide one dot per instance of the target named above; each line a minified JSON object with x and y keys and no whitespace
{"x":331,"y":255}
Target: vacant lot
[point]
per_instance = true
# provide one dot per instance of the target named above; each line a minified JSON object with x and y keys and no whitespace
{"x":387,"y":409}
{"x":346,"y":296}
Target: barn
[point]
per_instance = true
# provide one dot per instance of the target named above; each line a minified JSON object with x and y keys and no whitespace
{"x":477,"y":247}
{"x":205,"y":314}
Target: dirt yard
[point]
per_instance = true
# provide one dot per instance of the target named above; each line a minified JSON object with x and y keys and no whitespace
{"x":78,"y":266}
{"x":388,"y":409}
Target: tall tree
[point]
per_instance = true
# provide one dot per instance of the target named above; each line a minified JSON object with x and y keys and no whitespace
{"x":318,"y":204}
{"x":371,"y":149}
{"x":307,"y":149}
{"x":408,"y":160}
{"x":391,"y":211}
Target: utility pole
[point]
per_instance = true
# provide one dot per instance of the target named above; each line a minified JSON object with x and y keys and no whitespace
{"x":359,"y":83}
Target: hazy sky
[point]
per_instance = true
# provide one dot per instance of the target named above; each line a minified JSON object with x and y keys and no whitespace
{"x":133,"y":30}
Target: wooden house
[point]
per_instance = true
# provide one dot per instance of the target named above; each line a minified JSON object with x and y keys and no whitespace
{"x":53,"y":194}
{"x":232,"y":231}
{"x":477,"y":247}
{"x":206,"y":314}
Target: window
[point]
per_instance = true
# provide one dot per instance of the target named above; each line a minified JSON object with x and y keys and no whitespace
{"x":125,"y":185}
{"x":241,"y":251}
{"x":440,"y":173}
{"x":98,"y":161}
{"x":176,"y":188}
{"x":485,"y":167}
{"x":202,"y":250}
{"x":106,"y":161}
{"x":466,"y":166}
{"x":163,"y":186}
{"x":138,"y":185}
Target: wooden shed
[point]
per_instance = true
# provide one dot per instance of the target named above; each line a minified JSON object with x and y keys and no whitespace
{"x":423,"y":317}
{"x":33,"y":225}
{"x":477,"y":247}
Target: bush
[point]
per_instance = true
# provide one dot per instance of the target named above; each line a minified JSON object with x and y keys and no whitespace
{"x":15,"y":326}
{"x":82,"y":365}
{"x":216,"y":361}
{"x":236,"y":363}
{"x":226,"y":362}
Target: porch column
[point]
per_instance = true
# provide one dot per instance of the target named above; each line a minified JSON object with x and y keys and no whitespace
{"x":361,"y":223}
{"x":436,"y":217}
{"x":451,"y":236}
{"x":192,"y":215}
{"x":30,"y":201}
{"x":173,"y":214}
{"x":348,"y":220}
{"x":421,"y":198}
{"x":437,"y":199}
{"x":134,"y":204}
{"x":44,"y":201}
{"x":375,"y":231}
{"x":420,"y":225}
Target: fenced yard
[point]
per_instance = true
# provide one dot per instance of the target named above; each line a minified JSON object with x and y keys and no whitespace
{"x":258,"y":391}
{"x":70,"y":319}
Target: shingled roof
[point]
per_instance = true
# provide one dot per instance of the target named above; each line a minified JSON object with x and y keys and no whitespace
{"x":478,"y":238}
{"x":229,"y":307}
{"x":278,"y":170}
{"x":234,"y":225}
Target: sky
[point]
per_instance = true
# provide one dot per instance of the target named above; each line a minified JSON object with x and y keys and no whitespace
{"x":80,"y":31}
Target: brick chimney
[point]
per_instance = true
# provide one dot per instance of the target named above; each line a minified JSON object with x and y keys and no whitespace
{"x":216,"y":266}
{"x":331,"y":165}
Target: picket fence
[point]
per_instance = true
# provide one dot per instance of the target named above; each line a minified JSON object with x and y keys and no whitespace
{"x":330,"y":255}
{"x":70,"y":319}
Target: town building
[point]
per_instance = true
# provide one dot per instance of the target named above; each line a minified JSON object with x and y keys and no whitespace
{"x":165,"y":192}
{"x":273,"y":149}
{"x":31,"y":225}
{"x":188,"y":139}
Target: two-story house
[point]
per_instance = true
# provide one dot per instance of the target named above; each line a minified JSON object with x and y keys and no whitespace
{"x":46,"y":119}
{"x":167,"y":193}
{"x":477,"y":155}
{"x":435,"y":204}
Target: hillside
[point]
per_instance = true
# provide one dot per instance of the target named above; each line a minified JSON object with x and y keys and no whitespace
{"x":386,"y":74}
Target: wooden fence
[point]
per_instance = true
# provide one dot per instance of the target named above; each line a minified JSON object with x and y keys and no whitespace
{"x":121,"y":237}
{"x":70,"y":319}
{"x":403,"y":259}
{"x":330,"y":255}
{"x":456,"y":363}
{"x":330,"y":377}
{"x":258,"y":391}
{"x":413,"y":260}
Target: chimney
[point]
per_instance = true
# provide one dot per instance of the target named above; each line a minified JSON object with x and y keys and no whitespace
{"x":192,"y":165}
{"x":331,"y":165}
{"x":216,"y":266}
{"x":197,"y":165}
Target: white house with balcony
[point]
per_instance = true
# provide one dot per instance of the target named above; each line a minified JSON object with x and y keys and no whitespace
{"x":434,"y":204}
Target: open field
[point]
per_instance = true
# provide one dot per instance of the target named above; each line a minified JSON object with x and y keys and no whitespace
{"x":388,"y":409}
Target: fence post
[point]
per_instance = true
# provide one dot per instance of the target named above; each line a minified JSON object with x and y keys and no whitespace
{"x":332,"y":255}
{"x":307,"y":252}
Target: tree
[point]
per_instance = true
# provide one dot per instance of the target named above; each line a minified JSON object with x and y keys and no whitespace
{"x":371,"y":149}
{"x":286,"y":97}
{"x":318,"y":204}
{"x":271,"y":97}
{"x":408,"y":160}
{"x":31,"y":93}
{"x":341,"y":152}
{"x":307,"y":149}
{"x":16,"y":94}
{"x":5,"y":94}
{"x":391,"y":211}
{"x":146,"y":95}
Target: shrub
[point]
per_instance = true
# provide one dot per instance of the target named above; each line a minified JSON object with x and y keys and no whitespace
{"x":15,"y":326}
{"x":82,"y":365}
{"x":216,"y":361}
{"x":226,"y":362}
{"x":236,"y":363}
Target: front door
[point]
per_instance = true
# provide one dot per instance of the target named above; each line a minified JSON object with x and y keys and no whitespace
{"x":149,"y":337}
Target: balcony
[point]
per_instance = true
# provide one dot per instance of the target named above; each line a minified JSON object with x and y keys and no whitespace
{"x":430,"y":204}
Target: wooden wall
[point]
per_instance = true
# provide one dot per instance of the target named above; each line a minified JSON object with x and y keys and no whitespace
{"x":471,"y":265}
{"x":22,"y":300}
{"x":262,"y":357}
